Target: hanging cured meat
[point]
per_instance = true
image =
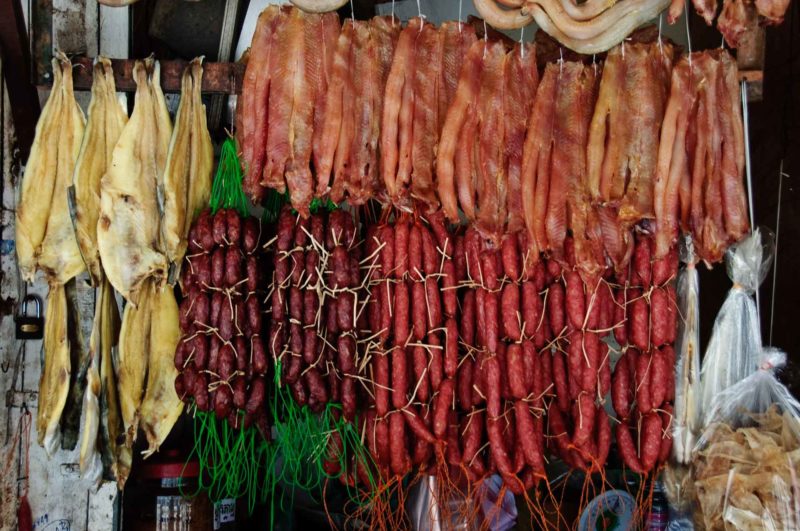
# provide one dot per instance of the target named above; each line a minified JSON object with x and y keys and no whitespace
{"x":252,"y":105}
{"x":623,"y":140}
{"x":106,"y":120}
{"x":187,"y":176}
{"x":129,"y":226}
{"x":479,"y":160}
{"x":699,"y":182}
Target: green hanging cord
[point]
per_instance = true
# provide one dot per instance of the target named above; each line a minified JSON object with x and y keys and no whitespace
{"x":226,"y":189}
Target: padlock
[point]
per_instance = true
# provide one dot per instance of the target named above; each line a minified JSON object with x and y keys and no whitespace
{"x":30,"y":326}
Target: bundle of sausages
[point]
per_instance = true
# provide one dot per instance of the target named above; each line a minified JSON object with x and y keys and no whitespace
{"x":581,"y":311}
{"x":445,"y":352}
{"x":643,"y":386}
{"x":314,"y":305}
{"x":221,"y":356}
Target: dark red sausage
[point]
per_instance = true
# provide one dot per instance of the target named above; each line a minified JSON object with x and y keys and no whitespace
{"x":627,"y":448}
{"x":555,"y":308}
{"x":515,"y":371}
{"x":448,"y":288}
{"x":442,"y":405}
{"x":415,"y":269}
{"x":400,"y":461}
{"x":465,"y":384}
{"x":642,"y":378}
{"x":434,"y":303}
{"x":218,"y":267}
{"x":399,"y":378}
{"x":219,"y":228}
{"x":436,"y":366}
{"x":511,"y":258}
{"x":419,"y":310}
{"x":422,"y":378}
{"x":511,"y":312}
{"x":382,"y":383}
{"x":451,"y":348}
{"x":575,"y":299}
{"x":467,"y":328}
{"x":491,"y":310}
{"x":639,"y":321}
{"x":401,"y":235}
{"x":401,"y":314}
{"x":251,"y":234}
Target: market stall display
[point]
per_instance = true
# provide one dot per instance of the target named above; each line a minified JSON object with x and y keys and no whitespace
{"x":458,"y":268}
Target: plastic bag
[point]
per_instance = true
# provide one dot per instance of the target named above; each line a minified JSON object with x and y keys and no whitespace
{"x":686,"y":420}
{"x":747,"y":461}
{"x":735,"y":344}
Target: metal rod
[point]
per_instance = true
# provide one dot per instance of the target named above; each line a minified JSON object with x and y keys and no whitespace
{"x":781,"y":175}
{"x":749,"y":175}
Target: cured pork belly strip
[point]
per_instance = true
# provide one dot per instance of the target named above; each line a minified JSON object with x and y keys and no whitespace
{"x":327,"y":140}
{"x":452,"y":147}
{"x":672,"y":159}
{"x":289,"y":47}
{"x":521,"y":81}
{"x":734,"y":198}
{"x":385,"y":31}
{"x":536,"y":159}
{"x":328,"y":42}
{"x":574,"y":105}
{"x":402,"y":65}
{"x":344,"y":147}
{"x":646,"y":89}
{"x":405,"y":137}
{"x":253,"y":103}
{"x":574,"y":99}
{"x":491,"y":136}
{"x":306,"y":81}
{"x":623,"y":143}
{"x":427,"y":83}
{"x":366,"y":78}
{"x":466,"y":165}
{"x":458,"y":38}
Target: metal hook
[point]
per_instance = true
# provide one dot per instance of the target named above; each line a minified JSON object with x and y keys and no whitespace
{"x":560,"y":60}
{"x":660,"y":21}
{"x":5,"y":366}
{"x":522,"y":42}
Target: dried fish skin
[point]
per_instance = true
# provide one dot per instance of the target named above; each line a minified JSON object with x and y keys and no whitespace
{"x":134,"y":349}
{"x":187,"y":177}
{"x":54,"y":382}
{"x":128,"y":229}
{"x":161,"y":406}
{"x":38,"y":184}
{"x":106,"y":120}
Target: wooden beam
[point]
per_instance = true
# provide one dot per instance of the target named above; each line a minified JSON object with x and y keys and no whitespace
{"x":218,"y":78}
{"x":17,"y":73}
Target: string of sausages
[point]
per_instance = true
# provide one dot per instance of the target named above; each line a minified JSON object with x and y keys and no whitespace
{"x":445,"y":352}
{"x":221,"y":355}
{"x":643,"y":386}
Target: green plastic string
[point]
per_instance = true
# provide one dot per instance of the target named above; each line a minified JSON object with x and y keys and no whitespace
{"x":226,"y":190}
{"x":231,"y":461}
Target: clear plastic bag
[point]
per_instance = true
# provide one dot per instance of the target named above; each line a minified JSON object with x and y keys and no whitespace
{"x":746,"y":465}
{"x":686,"y":420}
{"x":735,"y":344}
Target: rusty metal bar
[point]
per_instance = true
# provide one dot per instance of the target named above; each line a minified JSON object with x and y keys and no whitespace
{"x":218,"y":78}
